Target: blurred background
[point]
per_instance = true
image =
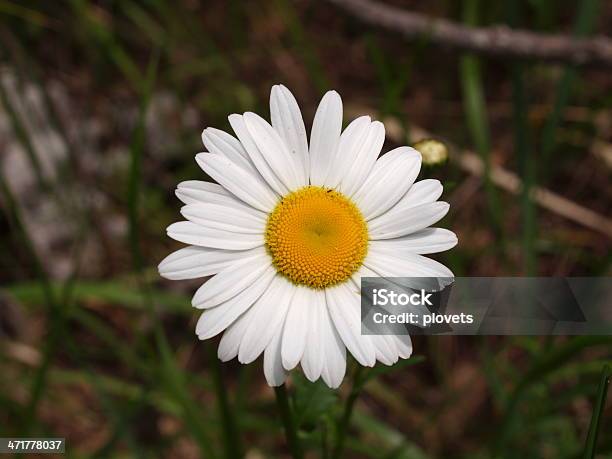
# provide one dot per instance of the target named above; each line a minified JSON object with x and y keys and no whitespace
{"x":101,"y":108}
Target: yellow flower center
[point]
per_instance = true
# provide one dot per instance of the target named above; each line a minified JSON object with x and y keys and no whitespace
{"x":317,"y":237}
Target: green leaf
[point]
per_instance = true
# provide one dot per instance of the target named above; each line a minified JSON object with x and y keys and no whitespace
{"x":312,"y":401}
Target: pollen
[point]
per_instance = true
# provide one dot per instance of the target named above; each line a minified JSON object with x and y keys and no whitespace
{"x":317,"y":237}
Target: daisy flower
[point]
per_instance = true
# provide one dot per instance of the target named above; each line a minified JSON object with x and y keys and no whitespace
{"x":291,"y":227}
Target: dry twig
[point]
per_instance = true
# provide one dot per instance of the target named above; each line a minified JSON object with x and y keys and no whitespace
{"x":495,"y":40}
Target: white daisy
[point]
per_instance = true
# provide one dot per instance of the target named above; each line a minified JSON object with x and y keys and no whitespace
{"x":290,"y":229}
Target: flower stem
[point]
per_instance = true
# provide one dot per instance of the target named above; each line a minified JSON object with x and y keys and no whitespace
{"x":231,"y":439}
{"x":348,"y":411}
{"x":290,"y":429}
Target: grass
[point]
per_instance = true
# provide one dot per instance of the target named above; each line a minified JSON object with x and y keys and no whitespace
{"x":476,"y":118}
{"x":112,"y":347}
{"x":524,"y":151}
{"x":585,"y":20}
{"x":172,"y":376}
{"x":598,"y":408}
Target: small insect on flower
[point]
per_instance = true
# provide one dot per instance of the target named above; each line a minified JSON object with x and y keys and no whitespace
{"x":290,"y":229}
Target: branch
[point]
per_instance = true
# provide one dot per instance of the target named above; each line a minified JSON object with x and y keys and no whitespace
{"x":494,"y":41}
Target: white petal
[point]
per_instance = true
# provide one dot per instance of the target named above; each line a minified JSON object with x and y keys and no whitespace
{"x":404,"y":265}
{"x":287,"y":121}
{"x":364,"y":159}
{"x":324,"y":137}
{"x":235,"y":219}
{"x":197,"y":192}
{"x":296,"y":327}
{"x":230,"y":342}
{"x":363,"y":271}
{"x":270,"y":312}
{"x":285,"y":165}
{"x":190,"y":233}
{"x":192,"y":191}
{"x":214,"y":321}
{"x":344,"y":309}
{"x":404,"y":345}
{"x":256,"y":155}
{"x":397,"y":223}
{"x":312,"y":360}
{"x":392,"y":176}
{"x":334,"y":353}
{"x":430,"y":240}
{"x":386,"y":350}
{"x":422,"y":192}
{"x":351,"y":139}
{"x":273,"y":366}
{"x":193,"y":262}
{"x":244,"y":185}
{"x":220,"y":142}
{"x":231,"y":281}
{"x":420,"y":272}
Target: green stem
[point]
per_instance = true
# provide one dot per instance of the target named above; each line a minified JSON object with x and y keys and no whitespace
{"x":290,"y":429}
{"x":231,"y":438}
{"x":348,"y":412}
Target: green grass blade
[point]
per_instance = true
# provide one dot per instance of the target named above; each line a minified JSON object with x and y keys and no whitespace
{"x":121,"y":292}
{"x":527,"y":168}
{"x":231,"y":438}
{"x":106,"y":40}
{"x":394,"y":75}
{"x":136,"y":153}
{"x":388,"y":437}
{"x":171,"y":374}
{"x":594,"y":427}
{"x":24,"y":13}
{"x":54,"y":309}
{"x":586,"y":16}
{"x":393,"y":79}
{"x":540,"y":369}
{"x":476,"y":113}
{"x":525,"y":155}
{"x":302,"y":44}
